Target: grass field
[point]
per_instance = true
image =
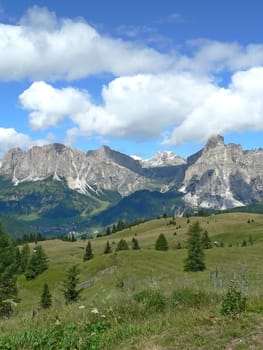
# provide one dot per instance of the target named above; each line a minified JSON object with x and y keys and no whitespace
{"x":110,"y":282}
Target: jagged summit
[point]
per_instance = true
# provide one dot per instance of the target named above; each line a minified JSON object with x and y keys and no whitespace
{"x":219,"y":176}
{"x":214,"y":141}
{"x":162,"y":159}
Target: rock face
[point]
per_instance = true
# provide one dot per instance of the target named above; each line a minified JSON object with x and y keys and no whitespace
{"x":163,"y":159}
{"x":223,"y":176}
{"x":103,"y":169}
{"x":219,"y":176}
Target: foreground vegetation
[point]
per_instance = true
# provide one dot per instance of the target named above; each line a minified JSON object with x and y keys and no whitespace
{"x":143,"y":298}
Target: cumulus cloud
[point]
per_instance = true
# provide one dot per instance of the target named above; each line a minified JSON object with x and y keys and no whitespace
{"x":211,"y":56}
{"x":138,"y":107}
{"x":181,"y":106}
{"x":236,"y":108}
{"x":49,"y":105}
{"x":42,"y":47}
{"x":10,"y":138}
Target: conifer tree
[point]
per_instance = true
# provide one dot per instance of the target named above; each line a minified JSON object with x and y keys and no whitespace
{"x":46,"y":298}
{"x":88,"y":252}
{"x":205,"y":240}
{"x":38,"y":263}
{"x":195,"y":258}
{"x":25,"y":256}
{"x":135,"y":244}
{"x":107,"y":249}
{"x":161,"y":243}
{"x":70,"y":291}
{"x":122,"y":245}
{"x":8,"y":271}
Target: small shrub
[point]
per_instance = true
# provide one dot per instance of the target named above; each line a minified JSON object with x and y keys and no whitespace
{"x":233,"y":302}
{"x":5,"y":309}
{"x":152,"y":300}
{"x":135,"y":244}
{"x":187,"y":297}
{"x":244,"y":243}
{"x":122,"y":245}
{"x":178,"y":246}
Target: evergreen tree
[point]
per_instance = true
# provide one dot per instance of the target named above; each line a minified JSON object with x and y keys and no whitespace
{"x":108,"y":231}
{"x":46,"y":298}
{"x":25,"y":256}
{"x":178,"y":246}
{"x":8,"y":271}
{"x":70,"y":291}
{"x":107,"y":249}
{"x":135,"y":244}
{"x":205,"y":240}
{"x":17,"y":259}
{"x":195,"y":258}
{"x":161,"y":243}
{"x":122,"y":245}
{"x":38,"y":263}
{"x":88,"y":252}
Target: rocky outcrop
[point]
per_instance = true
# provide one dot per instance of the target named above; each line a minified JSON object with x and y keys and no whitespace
{"x":223,"y":176}
{"x":95,"y":171}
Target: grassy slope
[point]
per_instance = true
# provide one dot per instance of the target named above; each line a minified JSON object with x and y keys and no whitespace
{"x":113,"y":278}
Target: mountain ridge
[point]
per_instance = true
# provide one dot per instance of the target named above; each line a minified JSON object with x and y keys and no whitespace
{"x":220,"y":176}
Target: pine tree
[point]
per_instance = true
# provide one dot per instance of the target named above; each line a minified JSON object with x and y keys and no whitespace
{"x":46,"y":298}
{"x":37,"y":264}
{"x":205,"y":240}
{"x":135,"y":244}
{"x":107,"y":249}
{"x":70,"y":291}
{"x":122,"y":245}
{"x":88,"y":252}
{"x":25,"y":256}
{"x":161,"y":243}
{"x":195,"y":258}
{"x":8,"y":272}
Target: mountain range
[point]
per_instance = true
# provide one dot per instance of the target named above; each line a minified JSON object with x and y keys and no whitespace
{"x":55,"y":188}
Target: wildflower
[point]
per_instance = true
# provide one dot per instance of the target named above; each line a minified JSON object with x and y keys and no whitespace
{"x":82,"y":307}
{"x":94,"y":311}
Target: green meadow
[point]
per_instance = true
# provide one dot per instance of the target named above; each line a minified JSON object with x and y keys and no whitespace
{"x":143,"y":299}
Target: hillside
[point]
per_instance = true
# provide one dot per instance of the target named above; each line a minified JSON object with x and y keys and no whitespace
{"x":111,"y":281}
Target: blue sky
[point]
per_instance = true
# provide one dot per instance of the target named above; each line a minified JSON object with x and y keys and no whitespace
{"x":139,"y":76}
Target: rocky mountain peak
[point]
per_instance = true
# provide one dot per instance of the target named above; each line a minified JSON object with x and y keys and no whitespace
{"x":162,"y":159}
{"x":214,"y":141}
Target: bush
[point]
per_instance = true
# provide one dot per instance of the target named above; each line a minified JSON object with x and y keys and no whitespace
{"x":152,"y":300}
{"x":233,"y":302}
{"x":5,"y":309}
{"x":187,"y":297}
{"x":122,"y":245}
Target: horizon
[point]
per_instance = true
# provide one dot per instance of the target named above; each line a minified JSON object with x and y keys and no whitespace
{"x":138,"y":77}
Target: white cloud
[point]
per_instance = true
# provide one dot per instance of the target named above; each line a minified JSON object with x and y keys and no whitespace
{"x":211,"y":56}
{"x":181,"y":106}
{"x":42,"y":47}
{"x":10,"y":138}
{"x":138,"y":107}
{"x":49,"y":105}
{"x":236,"y":108}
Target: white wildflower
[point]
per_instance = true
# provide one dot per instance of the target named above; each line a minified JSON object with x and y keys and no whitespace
{"x":94,"y":311}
